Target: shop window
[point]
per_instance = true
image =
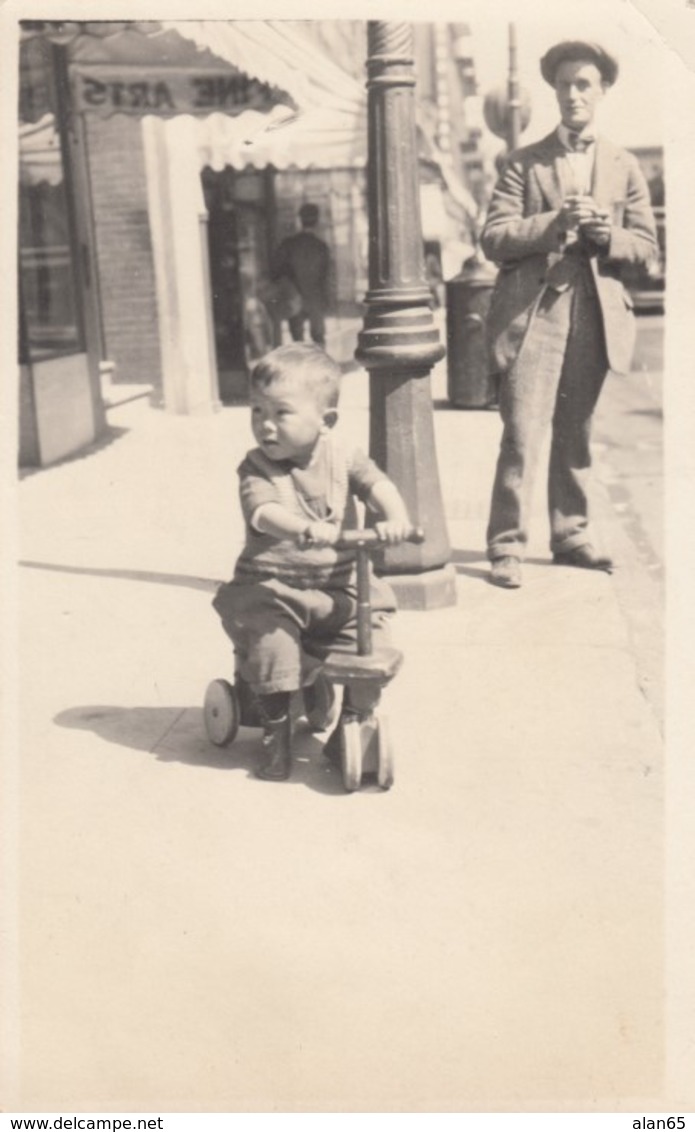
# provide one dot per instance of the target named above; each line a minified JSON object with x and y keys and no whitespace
{"x":47,"y":275}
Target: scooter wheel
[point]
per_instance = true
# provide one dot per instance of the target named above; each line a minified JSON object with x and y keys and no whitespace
{"x":221,"y":712}
{"x":351,"y":754}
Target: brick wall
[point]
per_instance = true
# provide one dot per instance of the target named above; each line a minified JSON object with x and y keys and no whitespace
{"x":124,"y":249}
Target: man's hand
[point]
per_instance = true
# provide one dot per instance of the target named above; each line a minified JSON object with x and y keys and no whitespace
{"x":319,"y":533}
{"x":597,"y":228}
{"x":577,"y":210}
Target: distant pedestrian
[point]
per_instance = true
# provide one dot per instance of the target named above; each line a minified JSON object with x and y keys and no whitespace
{"x":293,"y":596}
{"x":304,"y":261}
{"x":567,"y":214}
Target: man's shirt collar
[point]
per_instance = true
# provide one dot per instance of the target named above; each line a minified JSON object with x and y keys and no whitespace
{"x":588,"y":136}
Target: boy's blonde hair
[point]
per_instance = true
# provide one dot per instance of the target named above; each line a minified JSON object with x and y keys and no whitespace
{"x":303,"y":364}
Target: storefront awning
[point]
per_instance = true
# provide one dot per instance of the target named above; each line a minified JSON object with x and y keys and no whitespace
{"x":338,"y":139}
{"x":274,"y":53}
{"x":222,"y":140}
{"x":329,"y":129}
{"x":267,"y":52}
{"x":319,"y":139}
{"x":291,"y":107}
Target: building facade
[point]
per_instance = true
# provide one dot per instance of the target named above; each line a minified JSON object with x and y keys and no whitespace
{"x":180,"y":155}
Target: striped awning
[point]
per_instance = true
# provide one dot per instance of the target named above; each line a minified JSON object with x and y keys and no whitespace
{"x":329,"y":127}
{"x":315,"y":115}
{"x":270,"y":51}
{"x":310,"y":114}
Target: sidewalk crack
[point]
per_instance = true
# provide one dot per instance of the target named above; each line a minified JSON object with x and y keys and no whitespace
{"x":167,"y":730}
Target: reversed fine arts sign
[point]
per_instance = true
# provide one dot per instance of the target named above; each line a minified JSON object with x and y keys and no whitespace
{"x":134,"y":90}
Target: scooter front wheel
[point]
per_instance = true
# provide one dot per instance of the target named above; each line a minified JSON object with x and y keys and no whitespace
{"x":384,"y":773}
{"x":221,"y":712}
{"x":351,"y":754}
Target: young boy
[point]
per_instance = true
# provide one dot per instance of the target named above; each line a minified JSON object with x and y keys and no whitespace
{"x":293,"y":597}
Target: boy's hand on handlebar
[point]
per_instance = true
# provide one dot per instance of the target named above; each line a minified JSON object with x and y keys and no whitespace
{"x":393,"y":531}
{"x":319,"y":533}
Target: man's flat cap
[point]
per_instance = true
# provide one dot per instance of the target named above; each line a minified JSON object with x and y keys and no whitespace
{"x":574,"y":50}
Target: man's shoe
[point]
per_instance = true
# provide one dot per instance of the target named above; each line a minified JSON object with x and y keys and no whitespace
{"x":506,"y":572}
{"x":585,"y":557}
{"x":277,"y":735}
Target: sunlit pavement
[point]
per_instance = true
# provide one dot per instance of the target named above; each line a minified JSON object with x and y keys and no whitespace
{"x":487,"y":935}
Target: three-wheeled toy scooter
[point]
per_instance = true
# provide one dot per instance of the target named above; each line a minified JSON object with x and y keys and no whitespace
{"x":360,"y":741}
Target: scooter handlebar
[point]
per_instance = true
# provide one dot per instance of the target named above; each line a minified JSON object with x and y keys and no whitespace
{"x":368,"y":538}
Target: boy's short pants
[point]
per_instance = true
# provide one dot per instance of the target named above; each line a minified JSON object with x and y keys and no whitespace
{"x":280,"y":633}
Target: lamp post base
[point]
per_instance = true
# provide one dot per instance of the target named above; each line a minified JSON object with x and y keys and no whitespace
{"x":433,"y":589}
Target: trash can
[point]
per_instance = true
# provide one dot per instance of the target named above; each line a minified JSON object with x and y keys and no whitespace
{"x":470,"y":385}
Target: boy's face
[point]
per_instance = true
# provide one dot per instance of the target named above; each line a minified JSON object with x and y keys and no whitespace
{"x":287,"y":421}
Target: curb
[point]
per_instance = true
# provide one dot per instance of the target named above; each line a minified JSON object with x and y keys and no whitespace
{"x":637,"y":594}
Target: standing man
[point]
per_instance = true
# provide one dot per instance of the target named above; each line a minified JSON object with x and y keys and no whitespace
{"x":304,"y":260}
{"x":567,"y":213}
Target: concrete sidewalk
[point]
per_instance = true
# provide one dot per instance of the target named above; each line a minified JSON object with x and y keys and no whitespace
{"x":485,"y":936}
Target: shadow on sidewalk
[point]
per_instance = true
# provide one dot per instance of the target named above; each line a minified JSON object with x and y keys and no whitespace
{"x":177,"y":735}
{"x":111,"y":434}
{"x":463,"y":559}
{"x":209,"y":585}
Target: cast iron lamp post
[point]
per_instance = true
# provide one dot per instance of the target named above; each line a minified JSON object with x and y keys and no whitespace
{"x":399,"y":342}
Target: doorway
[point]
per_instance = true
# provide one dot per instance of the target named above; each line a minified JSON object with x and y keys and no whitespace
{"x":239,"y":207}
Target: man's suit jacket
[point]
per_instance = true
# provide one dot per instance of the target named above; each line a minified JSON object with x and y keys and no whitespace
{"x":523,"y":237}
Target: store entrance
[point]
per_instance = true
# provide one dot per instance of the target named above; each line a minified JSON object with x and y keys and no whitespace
{"x":239,"y":209}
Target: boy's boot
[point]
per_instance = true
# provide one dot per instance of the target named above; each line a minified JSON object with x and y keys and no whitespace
{"x":321,"y":704}
{"x":277,"y":751}
{"x":249,"y":709}
{"x":277,"y":736}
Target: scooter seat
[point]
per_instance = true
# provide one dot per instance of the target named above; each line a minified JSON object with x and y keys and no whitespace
{"x":380,"y":666}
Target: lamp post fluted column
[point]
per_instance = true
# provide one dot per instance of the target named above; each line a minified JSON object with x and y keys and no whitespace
{"x":399,"y":342}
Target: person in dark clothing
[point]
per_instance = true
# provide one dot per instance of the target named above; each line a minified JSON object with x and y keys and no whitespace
{"x":304,"y":260}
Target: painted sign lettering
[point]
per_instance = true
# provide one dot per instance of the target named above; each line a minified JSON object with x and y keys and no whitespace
{"x":127,"y":96}
{"x":109,"y":89}
{"x":221,"y":92}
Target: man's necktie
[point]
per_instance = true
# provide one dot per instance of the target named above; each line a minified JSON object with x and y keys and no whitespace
{"x":577,"y":142}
